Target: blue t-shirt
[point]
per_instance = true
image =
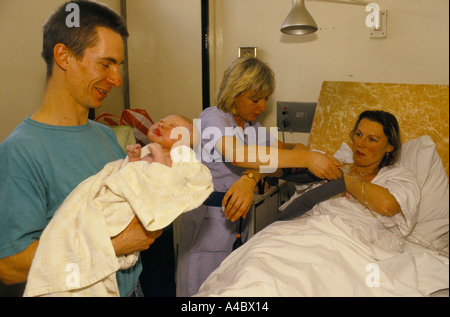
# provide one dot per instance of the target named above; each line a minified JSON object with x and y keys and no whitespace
{"x":40,"y":165}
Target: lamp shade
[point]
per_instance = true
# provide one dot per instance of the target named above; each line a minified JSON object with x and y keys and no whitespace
{"x":299,"y":21}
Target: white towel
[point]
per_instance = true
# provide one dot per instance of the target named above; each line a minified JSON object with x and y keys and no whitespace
{"x":75,"y":256}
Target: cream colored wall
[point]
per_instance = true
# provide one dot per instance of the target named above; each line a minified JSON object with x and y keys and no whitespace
{"x":22,"y":70}
{"x":165,"y":64}
{"x":165,"y":57}
{"x":415,"y":51}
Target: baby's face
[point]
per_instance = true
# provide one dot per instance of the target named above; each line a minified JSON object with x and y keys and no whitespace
{"x":169,"y":131}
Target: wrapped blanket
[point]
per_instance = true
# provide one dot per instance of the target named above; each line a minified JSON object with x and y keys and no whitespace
{"x":75,"y":256}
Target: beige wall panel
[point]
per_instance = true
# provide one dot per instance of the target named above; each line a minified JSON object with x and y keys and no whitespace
{"x":165,"y":57}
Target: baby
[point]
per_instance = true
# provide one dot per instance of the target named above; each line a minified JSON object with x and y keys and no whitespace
{"x":163,"y":135}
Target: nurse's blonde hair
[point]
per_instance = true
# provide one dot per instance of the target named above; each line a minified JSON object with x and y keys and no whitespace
{"x":245,"y":74}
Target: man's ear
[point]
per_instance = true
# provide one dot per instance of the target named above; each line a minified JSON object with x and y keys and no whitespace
{"x":61,"y":55}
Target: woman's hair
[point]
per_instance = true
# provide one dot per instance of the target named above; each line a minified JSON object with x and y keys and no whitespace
{"x":78,"y":38}
{"x":245,"y":74}
{"x":390,"y":128}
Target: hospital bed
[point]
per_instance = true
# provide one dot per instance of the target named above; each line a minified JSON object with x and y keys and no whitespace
{"x":271,"y":263}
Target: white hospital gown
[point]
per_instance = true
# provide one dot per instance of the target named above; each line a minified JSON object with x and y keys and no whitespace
{"x":373,"y":228}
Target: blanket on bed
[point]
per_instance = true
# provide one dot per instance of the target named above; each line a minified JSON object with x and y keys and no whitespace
{"x":318,"y":256}
{"x":75,"y":256}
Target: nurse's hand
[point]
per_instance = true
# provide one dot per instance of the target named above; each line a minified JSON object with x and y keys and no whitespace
{"x":134,"y":238}
{"x":239,"y":198}
{"x":324,"y":166}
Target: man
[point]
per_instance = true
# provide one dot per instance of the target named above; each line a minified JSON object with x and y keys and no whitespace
{"x":57,"y":147}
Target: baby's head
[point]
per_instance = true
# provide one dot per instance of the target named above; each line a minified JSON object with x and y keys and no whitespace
{"x":171,"y":130}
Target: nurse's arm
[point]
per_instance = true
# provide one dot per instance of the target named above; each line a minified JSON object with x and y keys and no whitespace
{"x":255,"y":156}
{"x":275,"y":157}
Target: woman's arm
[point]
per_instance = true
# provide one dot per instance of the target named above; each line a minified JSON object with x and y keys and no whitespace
{"x":239,"y":197}
{"x":291,"y":146}
{"x":280,"y":156}
{"x":374,"y":197}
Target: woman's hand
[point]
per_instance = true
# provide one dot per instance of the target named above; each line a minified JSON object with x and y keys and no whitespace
{"x":239,"y":198}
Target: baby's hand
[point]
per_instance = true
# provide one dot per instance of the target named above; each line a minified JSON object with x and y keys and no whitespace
{"x":157,"y":153}
{"x":134,"y":152}
{"x":155,"y":148}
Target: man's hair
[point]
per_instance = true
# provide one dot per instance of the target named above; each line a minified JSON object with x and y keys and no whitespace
{"x":77,"y":39}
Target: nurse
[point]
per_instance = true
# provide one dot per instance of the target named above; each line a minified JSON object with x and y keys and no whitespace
{"x":232,"y":144}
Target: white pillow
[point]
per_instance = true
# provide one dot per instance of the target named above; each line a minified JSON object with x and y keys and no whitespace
{"x":420,"y":156}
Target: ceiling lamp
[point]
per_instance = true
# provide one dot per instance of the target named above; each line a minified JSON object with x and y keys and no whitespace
{"x":299,"y":21}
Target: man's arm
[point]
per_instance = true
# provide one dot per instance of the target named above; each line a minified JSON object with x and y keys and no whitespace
{"x":14,"y":269}
{"x":134,"y":238}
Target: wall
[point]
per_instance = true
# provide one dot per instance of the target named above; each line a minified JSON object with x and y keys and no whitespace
{"x":415,"y":51}
{"x":165,"y":64}
{"x":165,"y":57}
{"x":22,"y":70}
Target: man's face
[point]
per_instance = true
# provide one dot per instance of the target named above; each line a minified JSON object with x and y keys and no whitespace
{"x":91,"y":78}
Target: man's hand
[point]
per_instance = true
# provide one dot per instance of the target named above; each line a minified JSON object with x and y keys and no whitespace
{"x":134,"y":238}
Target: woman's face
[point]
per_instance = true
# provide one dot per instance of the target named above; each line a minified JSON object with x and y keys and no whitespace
{"x":370,"y":144}
{"x":248,"y":108}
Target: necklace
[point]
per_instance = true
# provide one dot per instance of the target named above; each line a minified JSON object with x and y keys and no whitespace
{"x":361,"y":174}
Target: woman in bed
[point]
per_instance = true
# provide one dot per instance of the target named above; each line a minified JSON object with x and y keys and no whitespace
{"x":384,"y":193}
{"x":371,"y":152}
{"x":334,"y":242}
{"x":376,"y":143}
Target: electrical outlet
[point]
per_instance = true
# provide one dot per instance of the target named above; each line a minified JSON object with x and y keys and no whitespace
{"x":295,"y":116}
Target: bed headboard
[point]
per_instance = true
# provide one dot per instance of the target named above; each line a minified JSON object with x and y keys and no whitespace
{"x":419,"y":109}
